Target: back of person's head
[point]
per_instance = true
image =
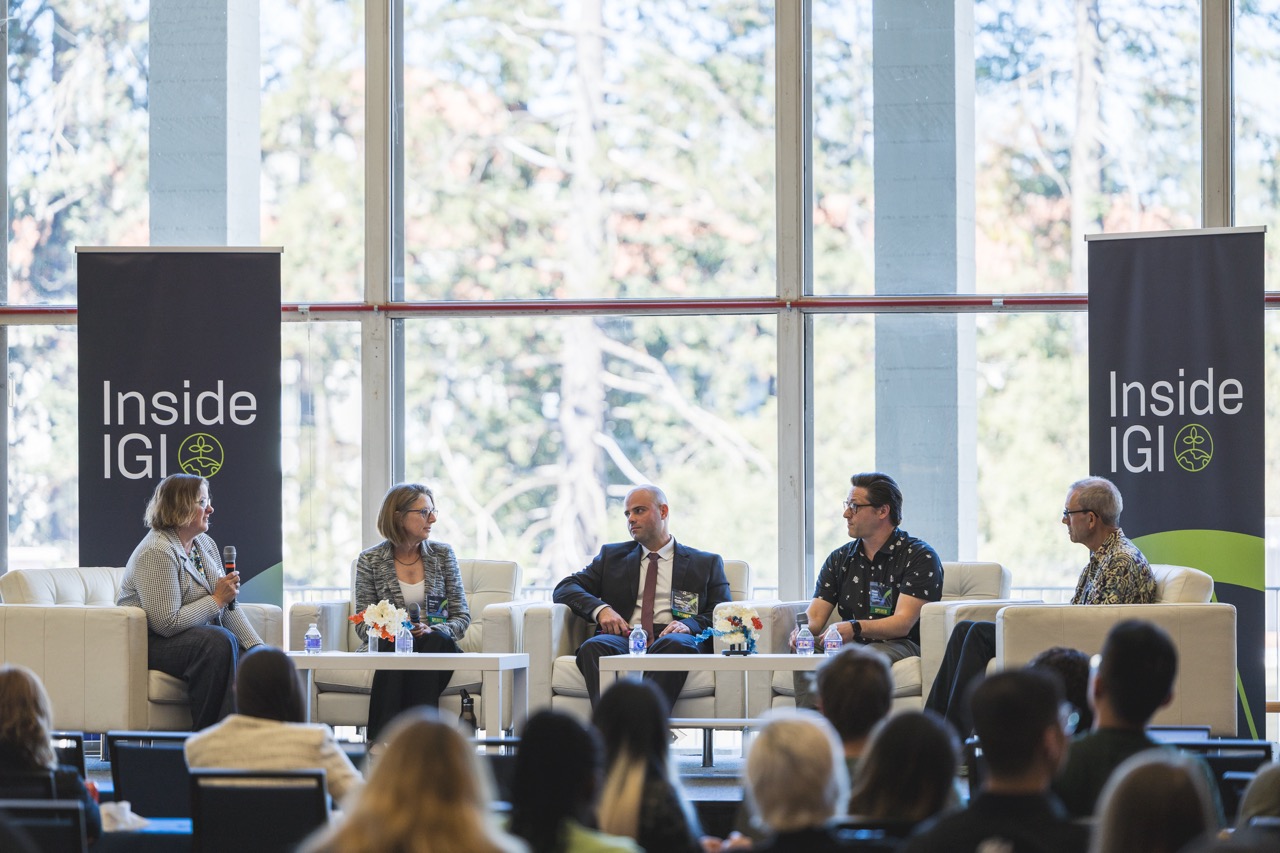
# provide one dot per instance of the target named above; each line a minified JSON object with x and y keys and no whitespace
{"x":1262,"y":797}
{"x":855,"y":691}
{"x":1072,"y":666}
{"x":557,"y":776}
{"x":908,"y":771}
{"x":268,"y":686}
{"x":1155,"y":802}
{"x":1138,"y":666}
{"x":796,"y":775}
{"x":1011,"y":713}
{"x":426,"y":792}
{"x":631,"y":717}
{"x":25,"y":719}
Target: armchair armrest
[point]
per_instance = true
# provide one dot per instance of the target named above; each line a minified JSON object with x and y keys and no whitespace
{"x":267,"y":620}
{"x":330,"y":617}
{"x":939,"y":618}
{"x":550,"y":630}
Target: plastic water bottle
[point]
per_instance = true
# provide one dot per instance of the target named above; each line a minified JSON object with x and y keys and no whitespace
{"x":804,"y":638}
{"x":311,"y":640}
{"x":404,"y":640}
{"x":831,"y":641}
{"x":639,"y":641}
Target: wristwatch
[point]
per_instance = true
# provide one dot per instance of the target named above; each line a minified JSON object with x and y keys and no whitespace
{"x":857,"y":630}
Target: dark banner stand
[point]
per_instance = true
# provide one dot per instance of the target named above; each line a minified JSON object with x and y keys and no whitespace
{"x":180,"y":372}
{"x":1176,"y":413}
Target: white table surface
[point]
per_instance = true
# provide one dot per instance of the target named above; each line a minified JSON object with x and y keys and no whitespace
{"x":490,"y":664}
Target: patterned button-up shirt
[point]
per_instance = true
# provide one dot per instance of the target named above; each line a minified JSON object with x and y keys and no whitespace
{"x":1117,"y":574}
{"x":903,"y":566}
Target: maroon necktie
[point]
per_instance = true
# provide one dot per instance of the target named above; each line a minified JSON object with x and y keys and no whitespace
{"x":650,"y":589}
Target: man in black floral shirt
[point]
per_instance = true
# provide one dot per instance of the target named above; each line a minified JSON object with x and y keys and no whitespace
{"x":878,"y":582}
{"x":1117,"y":573}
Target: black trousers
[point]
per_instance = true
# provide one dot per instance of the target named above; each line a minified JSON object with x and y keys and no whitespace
{"x":970,"y":649}
{"x":604,"y":645}
{"x":395,"y":690}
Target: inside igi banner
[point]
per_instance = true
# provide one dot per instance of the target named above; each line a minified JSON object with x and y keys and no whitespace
{"x":1176,"y":415}
{"x":180,"y":373}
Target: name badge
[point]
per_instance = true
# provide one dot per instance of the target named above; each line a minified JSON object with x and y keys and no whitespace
{"x":684,"y":605}
{"x":881,"y":599}
{"x":437,"y":610}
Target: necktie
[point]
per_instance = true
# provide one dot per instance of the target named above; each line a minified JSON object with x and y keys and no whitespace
{"x":650,"y":588}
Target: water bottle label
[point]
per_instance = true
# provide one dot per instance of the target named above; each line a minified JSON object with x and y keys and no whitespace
{"x":639,"y":641}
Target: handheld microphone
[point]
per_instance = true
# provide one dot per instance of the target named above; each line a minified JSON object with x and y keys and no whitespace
{"x":229,"y":565}
{"x":414,"y":612}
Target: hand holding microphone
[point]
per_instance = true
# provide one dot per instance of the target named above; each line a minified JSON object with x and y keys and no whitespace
{"x":415,"y":614}
{"x":232,"y":577}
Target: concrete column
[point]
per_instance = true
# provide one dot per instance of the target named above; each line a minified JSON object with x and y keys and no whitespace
{"x":926,"y":419}
{"x":204,"y":95}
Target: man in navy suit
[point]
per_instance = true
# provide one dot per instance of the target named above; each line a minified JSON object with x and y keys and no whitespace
{"x":673,"y":587}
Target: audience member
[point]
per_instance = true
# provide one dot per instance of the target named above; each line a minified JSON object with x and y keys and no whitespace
{"x":1134,"y":679}
{"x":26,"y":718}
{"x":1117,"y":573}
{"x":797,"y":782}
{"x":878,"y":582}
{"x":408,"y":567}
{"x":175,"y":575}
{"x":674,"y":604}
{"x":427,"y":793}
{"x":642,"y":798}
{"x":1262,"y":797}
{"x":1017,"y":716}
{"x":269,"y":731}
{"x":855,"y":692}
{"x":908,"y":773}
{"x":557,"y":782}
{"x":1072,"y":666}
{"x":1155,"y":802}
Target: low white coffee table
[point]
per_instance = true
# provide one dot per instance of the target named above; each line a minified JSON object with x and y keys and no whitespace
{"x":490,"y":665}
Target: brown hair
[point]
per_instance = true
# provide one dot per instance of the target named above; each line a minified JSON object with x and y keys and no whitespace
{"x":174,"y":502}
{"x":1157,"y":801}
{"x":855,"y":691}
{"x":25,"y":718}
{"x":267,"y":686}
{"x":397,"y":500}
{"x":907,"y":771}
{"x":427,"y":793}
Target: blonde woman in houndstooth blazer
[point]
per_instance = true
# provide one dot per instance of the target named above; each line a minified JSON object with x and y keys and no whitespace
{"x":409,"y":568}
{"x":175,"y":575}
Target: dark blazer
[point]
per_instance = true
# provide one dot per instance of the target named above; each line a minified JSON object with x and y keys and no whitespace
{"x":613,"y":578}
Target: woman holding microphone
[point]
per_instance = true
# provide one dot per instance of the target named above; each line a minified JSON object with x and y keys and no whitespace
{"x":175,"y":574}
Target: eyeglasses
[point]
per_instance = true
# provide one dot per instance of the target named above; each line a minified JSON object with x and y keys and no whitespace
{"x":203,"y":503}
{"x":1070,"y":512}
{"x":854,"y":505}
{"x":425,"y":513}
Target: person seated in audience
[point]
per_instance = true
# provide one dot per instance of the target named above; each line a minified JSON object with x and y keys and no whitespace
{"x":408,"y":567}
{"x":855,"y":692}
{"x":1134,"y":679}
{"x":1117,"y":573}
{"x":797,"y":782}
{"x":1018,"y":718}
{"x":1262,"y":797}
{"x":175,"y":574}
{"x":908,"y":773}
{"x":26,"y":719}
{"x":663,"y":586}
{"x":1072,"y":666}
{"x":426,"y":792}
{"x":642,"y":798}
{"x":558,"y":773}
{"x":878,"y":582}
{"x":269,"y":730}
{"x":1155,"y":802}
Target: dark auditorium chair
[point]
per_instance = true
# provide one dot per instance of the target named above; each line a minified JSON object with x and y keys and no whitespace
{"x":230,"y":809}
{"x":1227,"y":759}
{"x":69,"y":747}
{"x":54,"y":826}
{"x":149,"y":770}
{"x":27,"y":785}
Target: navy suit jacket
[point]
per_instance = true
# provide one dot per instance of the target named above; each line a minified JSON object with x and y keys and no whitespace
{"x":613,"y":578}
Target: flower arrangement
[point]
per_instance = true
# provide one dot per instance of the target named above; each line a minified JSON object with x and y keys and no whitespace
{"x":382,"y":619}
{"x":737,"y":625}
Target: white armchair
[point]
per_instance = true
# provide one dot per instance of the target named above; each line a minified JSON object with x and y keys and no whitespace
{"x":341,"y":697}
{"x":64,"y":625}
{"x":912,"y":677}
{"x":553,"y":633}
